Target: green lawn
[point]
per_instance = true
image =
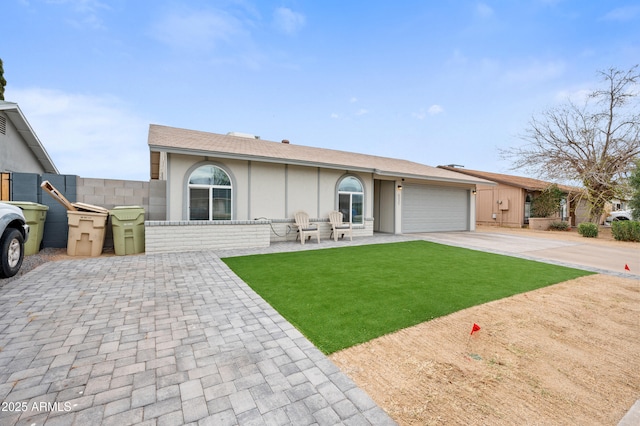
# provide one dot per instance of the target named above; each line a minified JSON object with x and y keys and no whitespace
{"x":339,"y":297}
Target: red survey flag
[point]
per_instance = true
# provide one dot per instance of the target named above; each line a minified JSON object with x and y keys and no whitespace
{"x":626,"y":267}
{"x":475,"y":328}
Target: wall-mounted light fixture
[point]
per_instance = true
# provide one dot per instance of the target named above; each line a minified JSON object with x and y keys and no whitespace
{"x":473,"y":192}
{"x":399,"y":187}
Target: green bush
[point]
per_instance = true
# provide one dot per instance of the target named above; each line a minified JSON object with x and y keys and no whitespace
{"x":559,"y":226}
{"x":626,"y":230}
{"x":588,"y":229}
{"x":547,"y":202}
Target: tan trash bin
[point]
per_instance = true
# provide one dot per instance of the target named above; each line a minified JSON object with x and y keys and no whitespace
{"x":86,"y":233}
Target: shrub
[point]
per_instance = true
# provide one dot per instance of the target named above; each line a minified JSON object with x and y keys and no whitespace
{"x":626,"y":230}
{"x":559,"y":226}
{"x":548,"y":202}
{"x":588,"y":229}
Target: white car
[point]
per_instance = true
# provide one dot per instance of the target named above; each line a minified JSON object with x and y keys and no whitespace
{"x":14,"y":231}
{"x":618,"y":215}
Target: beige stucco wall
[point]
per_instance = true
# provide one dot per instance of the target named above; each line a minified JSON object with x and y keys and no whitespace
{"x":267,"y":197}
{"x":384,"y":206}
{"x":265,"y":190}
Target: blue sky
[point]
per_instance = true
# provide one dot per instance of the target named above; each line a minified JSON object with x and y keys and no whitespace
{"x":437,"y":82}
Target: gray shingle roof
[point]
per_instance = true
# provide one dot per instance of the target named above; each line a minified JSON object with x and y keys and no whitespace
{"x":175,"y":140}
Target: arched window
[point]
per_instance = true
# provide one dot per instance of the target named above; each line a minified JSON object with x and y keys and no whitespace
{"x":209,"y":194}
{"x":351,"y":200}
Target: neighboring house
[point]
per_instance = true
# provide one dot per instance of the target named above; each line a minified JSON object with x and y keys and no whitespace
{"x":508,"y":203}
{"x":20,"y":148}
{"x":239,"y":177}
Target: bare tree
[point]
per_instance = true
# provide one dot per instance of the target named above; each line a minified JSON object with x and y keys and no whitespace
{"x":595,"y":143}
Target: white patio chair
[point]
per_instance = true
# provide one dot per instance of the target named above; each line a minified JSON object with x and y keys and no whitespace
{"x":339,"y":227}
{"x":305,"y":228}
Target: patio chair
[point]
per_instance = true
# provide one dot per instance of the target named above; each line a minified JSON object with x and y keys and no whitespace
{"x":305,"y":228}
{"x":339,"y":227}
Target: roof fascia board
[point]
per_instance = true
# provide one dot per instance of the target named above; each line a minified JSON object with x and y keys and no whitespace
{"x":477,"y":181}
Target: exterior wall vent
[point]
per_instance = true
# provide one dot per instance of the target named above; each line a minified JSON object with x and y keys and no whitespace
{"x":3,"y":125}
{"x":243,"y":135}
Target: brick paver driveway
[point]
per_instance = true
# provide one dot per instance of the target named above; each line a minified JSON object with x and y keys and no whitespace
{"x":160,"y":340}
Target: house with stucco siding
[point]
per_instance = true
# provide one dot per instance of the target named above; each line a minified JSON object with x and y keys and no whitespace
{"x":239,"y":179}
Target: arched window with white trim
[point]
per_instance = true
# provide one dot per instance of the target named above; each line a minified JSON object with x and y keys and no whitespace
{"x":209,"y":194}
{"x":351,"y":200}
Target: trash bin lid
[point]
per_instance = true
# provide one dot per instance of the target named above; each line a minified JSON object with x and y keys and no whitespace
{"x":126,"y":212}
{"x":90,"y":208}
{"x":28,"y":205}
{"x":127,"y":207}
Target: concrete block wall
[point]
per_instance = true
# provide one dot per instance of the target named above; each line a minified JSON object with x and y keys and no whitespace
{"x":181,"y":236}
{"x":109,"y":193}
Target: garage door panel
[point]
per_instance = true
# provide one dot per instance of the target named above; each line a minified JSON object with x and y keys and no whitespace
{"x":428,"y":208}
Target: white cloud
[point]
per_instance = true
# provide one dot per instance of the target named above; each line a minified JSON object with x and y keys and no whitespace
{"x":353,"y":100}
{"x":88,"y":12}
{"x":196,"y":29}
{"x":536,"y":72}
{"x":435,"y":109}
{"x":362,"y":111}
{"x":420,"y":115}
{"x":578,"y":95}
{"x":89,"y":136}
{"x":483,"y":10}
{"x":628,"y":13}
{"x":334,"y":116}
{"x":432,"y":110}
{"x":288,"y":21}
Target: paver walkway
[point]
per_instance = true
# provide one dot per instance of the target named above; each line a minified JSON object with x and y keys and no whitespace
{"x":161,"y":340}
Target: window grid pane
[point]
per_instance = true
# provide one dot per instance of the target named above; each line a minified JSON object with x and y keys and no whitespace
{"x":357,"y":208}
{"x":209,"y":194}
{"x":221,"y":204}
{"x":199,"y":207}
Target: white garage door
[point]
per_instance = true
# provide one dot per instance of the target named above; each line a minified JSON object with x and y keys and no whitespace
{"x":428,"y":208}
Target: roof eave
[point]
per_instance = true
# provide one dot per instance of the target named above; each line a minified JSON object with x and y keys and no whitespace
{"x":351,"y":168}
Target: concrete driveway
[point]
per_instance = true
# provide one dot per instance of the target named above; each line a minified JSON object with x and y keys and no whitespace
{"x":601,"y":258}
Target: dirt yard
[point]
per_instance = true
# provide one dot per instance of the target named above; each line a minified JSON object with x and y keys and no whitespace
{"x":566,"y":354}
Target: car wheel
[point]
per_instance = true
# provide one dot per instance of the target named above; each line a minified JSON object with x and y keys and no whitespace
{"x":12,"y":246}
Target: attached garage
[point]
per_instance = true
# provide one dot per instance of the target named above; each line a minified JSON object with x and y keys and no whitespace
{"x":429,"y":208}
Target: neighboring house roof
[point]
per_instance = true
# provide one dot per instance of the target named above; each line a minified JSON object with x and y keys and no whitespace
{"x":183,"y":141}
{"x":24,"y":129}
{"x":526,"y":183}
